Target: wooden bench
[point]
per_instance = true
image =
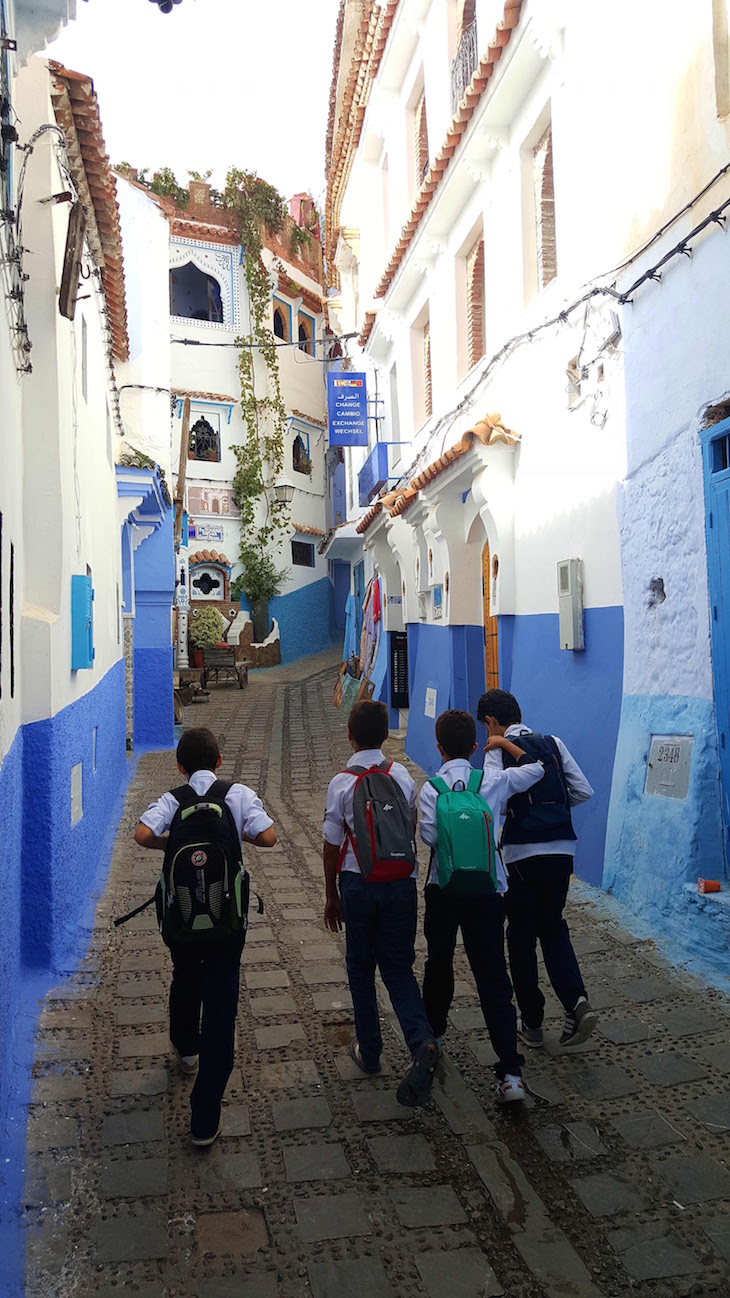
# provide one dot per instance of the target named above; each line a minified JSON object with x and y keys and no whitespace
{"x":222,"y":658}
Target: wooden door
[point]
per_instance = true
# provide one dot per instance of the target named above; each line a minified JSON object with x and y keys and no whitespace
{"x":491,"y":633}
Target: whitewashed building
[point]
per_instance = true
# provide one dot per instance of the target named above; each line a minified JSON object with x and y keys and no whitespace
{"x":504,"y":180}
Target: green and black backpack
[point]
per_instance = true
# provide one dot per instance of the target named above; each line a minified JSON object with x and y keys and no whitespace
{"x":203,"y":893}
{"x":467,"y":854}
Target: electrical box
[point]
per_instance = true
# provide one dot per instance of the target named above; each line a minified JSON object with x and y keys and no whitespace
{"x":570,"y":603}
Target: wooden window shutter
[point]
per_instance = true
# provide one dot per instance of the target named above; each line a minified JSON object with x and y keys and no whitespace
{"x":427,"y":387}
{"x":421,"y":140}
{"x":547,"y":260}
{"x":475,"y":302}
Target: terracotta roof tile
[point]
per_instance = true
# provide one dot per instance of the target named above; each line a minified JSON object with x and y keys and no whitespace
{"x":205,"y":396}
{"x":369,"y":518}
{"x":208,"y":556}
{"x":310,"y":419}
{"x":77,"y":112}
{"x":367,"y":329}
{"x":460,"y":121}
{"x":304,"y":529}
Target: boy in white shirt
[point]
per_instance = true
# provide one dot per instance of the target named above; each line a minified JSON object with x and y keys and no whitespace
{"x":379,"y":916}
{"x":538,"y":845}
{"x":480,"y":918}
{"x":205,"y":984}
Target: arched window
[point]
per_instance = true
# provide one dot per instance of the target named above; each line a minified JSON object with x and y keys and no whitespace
{"x":475,"y":302}
{"x":301,"y":462}
{"x":195,"y":295}
{"x":282,"y":320}
{"x":205,"y":442}
{"x":547,"y":261}
{"x":279,"y":327}
{"x":305,"y":335}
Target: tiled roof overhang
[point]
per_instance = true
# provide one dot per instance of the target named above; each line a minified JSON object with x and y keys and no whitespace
{"x":489,"y":431}
{"x":204,"y":396}
{"x":77,"y":112}
{"x":463,"y":115}
{"x":305,"y":529}
{"x":209,"y":556}
{"x":343,"y":137}
{"x":290,"y":288}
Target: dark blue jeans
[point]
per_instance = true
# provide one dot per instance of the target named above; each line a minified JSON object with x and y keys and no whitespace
{"x":481,"y":920}
{"x":203,"y":1006}
{"x":538,"y":887}
{"x":380,"y":929}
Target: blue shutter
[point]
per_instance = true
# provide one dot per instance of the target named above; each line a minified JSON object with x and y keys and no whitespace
{"x":82,"y":623}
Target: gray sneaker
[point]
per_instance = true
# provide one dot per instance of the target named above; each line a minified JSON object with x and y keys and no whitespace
{"x":579,"y":1024}
{"x":531,"y":1037}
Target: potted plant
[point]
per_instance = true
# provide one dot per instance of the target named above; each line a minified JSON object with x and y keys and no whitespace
{"x":205,"y":630}
{"x":260,"y":581}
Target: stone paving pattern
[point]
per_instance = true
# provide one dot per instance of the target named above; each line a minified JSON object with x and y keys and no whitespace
{"x":615,"y":1178}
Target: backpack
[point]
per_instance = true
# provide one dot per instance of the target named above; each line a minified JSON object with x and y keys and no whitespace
{"x":467,"y":854}
{"x":542,"y":814}
{"x":203,"y":893}
{"x":383,"y":839}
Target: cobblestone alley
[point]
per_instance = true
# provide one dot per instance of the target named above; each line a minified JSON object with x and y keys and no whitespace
{"x":614,"y":1180}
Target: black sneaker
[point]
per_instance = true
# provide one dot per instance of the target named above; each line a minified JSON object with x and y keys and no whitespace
{"x":415,"y":1087}
{"x":531,"y":1037}
{"x":579,"y":1024}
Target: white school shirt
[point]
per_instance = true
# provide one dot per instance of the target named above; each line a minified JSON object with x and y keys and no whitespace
{"x":340,"y":796}
{"x":497,"y":786}
{"x":245,"y":805}
{"x":579,"y":790}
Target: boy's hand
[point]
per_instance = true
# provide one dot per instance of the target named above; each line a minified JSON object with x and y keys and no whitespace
{"x":494,"y":741}
{"x":333,"y":914}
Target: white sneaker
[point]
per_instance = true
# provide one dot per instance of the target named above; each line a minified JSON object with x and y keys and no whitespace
{"x":510,"y":1088}
{"x":188,"y":1064}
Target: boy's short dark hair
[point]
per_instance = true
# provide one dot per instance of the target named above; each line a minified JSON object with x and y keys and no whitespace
{"x":368,"y":724}
{"x":502,"y":706}
{"x":456,"y":733}
{"x":198,"y":750}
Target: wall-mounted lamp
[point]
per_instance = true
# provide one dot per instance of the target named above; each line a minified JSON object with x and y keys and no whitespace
{"x":284,"y":491}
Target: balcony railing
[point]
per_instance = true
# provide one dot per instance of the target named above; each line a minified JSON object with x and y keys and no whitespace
{"x":464,"y":65}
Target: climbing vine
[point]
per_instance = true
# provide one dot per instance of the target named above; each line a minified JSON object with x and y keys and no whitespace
{"x":257,"y":206}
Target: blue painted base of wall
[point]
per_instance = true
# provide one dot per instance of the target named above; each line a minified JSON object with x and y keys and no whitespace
{"x":306,"y":620}
{"x":576,"y":695}
{"x":154,"y":709}
{"x":657,"y":846}
{"x":49,"y":881}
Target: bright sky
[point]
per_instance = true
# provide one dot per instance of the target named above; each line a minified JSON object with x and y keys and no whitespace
{"x":214,"y":83}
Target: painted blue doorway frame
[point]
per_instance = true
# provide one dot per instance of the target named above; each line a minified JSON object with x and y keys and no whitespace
{"x":359,"y":576}
{"x":716,"y":457}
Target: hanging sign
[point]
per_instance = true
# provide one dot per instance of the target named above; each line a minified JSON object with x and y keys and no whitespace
{"x":347,"y":409}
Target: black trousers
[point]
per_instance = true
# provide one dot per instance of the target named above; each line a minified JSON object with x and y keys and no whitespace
{"x":203,"y":1006}
{"x":538,"y":887}
{"x":481,"y":920}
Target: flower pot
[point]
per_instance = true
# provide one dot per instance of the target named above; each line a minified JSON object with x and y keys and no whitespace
{"x":197,"y":656}
{"x":261,"y":620}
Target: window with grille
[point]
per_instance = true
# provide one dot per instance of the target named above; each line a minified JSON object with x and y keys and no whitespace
{"x":205,"y":442}
{"x":282,"y":319}
{"x":475,"y":331}
{"x":542,"y":172}
{"x":301,"y":462}
{"x":306,"y":335}
{"x":302,"y":554}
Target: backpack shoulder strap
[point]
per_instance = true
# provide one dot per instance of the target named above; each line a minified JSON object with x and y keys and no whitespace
{"x":439,"y":785}
{"x":219,"y":790}
{"x":185,"y":796}
{"x":475,"y":781}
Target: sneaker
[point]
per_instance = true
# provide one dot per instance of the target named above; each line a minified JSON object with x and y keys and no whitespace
{"x":578,"y":1024}
{"x":188,"y":1064}
{"x":415,"y":1087}
{"x":356,"y":1057}
{"x":204,"y":1142}
{"x":510,"y":1088}
{"x":531,"y":1037}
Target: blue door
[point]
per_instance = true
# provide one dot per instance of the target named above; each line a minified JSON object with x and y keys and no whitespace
{"x":341,"y":575}
{"x":359,"y":600}
{"x":716,"y":446}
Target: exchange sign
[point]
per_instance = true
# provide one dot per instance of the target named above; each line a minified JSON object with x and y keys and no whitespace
{"x":347,"y":409}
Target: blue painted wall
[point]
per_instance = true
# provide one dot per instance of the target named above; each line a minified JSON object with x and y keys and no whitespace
{"x":154,"y":582}
{"x":11,"y":841}
{"x":341,"y":575}
{"x":574,"y":695}
{"x":59,"y":859}
{"x":306,"y":619}
{"x":657,"y":846}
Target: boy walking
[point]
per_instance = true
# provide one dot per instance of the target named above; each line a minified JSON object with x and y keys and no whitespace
{"x":538,"y":844}
{"x":205,"y":977}
{"x":479,"y":913}
{"x":369,"y":848}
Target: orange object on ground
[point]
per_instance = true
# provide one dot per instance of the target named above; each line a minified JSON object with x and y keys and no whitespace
{"x":708,"y":885}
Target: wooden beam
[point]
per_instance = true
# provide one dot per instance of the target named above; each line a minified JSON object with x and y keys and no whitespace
{"x":182,"y":469}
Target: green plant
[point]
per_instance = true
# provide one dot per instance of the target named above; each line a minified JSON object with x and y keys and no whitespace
{"x":260,"y":580}
{"x":206,"y":628}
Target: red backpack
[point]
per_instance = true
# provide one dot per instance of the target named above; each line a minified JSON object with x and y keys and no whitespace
{"x":383,"y":838}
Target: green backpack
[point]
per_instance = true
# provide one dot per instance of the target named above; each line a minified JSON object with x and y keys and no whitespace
{"x":467,"y":854}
